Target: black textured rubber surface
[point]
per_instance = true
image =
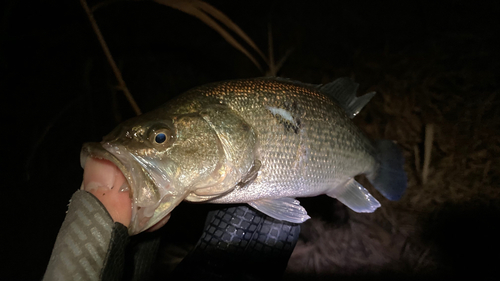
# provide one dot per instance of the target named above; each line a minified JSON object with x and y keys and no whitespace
{"x":141,"y":255}
{"x":239,"y":243}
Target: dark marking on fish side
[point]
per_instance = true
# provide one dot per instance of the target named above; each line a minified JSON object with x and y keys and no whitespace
{"x":245,"y":127}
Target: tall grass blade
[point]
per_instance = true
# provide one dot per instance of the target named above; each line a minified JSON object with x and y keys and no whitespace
{"x":196,"y":9}
{"x":231,"y":25}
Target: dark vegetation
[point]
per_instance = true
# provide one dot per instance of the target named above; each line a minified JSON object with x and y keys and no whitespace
{"x":435,"y":67}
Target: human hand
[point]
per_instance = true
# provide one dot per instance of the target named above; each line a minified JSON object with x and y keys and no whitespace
{"x":105,"y":181}
{"x":92,"y":241}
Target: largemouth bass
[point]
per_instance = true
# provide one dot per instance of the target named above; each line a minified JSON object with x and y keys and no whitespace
{"x":262,"y":141}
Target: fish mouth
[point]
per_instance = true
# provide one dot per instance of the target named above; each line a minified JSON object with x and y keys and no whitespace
{"x":150,"y":202}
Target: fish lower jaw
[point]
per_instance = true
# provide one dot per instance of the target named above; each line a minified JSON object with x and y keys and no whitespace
{"x":106,"y":182}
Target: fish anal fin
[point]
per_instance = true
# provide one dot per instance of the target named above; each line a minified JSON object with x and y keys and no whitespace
{"x":285,"y":209}
{"x":355,"y":196}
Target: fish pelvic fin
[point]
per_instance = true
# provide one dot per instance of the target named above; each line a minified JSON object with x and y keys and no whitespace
{"x":343,"y":91}
{"x":285,"y":209}
{"x":355,"y":196}
{"x":390,"y":179}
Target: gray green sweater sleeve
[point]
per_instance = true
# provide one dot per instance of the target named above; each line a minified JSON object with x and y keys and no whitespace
{"x":89,"y":246}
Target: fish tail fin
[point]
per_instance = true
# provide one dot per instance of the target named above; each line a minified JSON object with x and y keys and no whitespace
{"x":390,"y":179}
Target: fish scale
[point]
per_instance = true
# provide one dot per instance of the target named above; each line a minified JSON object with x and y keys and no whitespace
{"x":261,"y":141}
{"x":324,"y":133}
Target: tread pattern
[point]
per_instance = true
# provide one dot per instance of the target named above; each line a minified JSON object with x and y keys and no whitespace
{"x":240,"y":243}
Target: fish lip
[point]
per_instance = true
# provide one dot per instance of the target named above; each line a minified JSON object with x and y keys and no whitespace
{"x":138,"y":223}
{"x":98,"y":151}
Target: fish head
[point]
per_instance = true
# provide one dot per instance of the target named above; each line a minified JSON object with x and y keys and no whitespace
{"x":166,"y":159}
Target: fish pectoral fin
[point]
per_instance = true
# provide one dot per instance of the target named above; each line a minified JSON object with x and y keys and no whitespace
{"x":193,"y":197}
{"x":355,"y":196}
{"x":251,"y":175}
{"x":285,"y":209}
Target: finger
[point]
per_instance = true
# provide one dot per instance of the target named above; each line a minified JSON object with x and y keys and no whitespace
{"x":105,"y":181}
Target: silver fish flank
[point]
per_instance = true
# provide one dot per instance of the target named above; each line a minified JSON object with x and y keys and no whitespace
{"x":262,"y":141}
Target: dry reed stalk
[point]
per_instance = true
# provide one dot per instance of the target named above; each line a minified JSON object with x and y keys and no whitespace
{"x":429,"y":136}
{"x":205,"y":12}
{"x":274,"y":67}
{"x":111,"y":61}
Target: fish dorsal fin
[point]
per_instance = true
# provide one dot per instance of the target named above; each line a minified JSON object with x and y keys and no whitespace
{"x":285,"y":209}
{"x":343,"y":91}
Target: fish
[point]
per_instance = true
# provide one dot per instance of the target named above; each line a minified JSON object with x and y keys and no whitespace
{"x":260,"y":141}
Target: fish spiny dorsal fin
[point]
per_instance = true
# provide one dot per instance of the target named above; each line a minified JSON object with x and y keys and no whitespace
{"x":343,"y":91}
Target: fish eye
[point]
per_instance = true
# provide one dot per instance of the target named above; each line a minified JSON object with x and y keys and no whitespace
{"x":160,"y":136}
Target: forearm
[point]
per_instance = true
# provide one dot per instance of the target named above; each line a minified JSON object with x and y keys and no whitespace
{"x":90,"y":245}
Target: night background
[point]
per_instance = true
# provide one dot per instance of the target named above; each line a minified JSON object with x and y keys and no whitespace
{"x":434,"y":65}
